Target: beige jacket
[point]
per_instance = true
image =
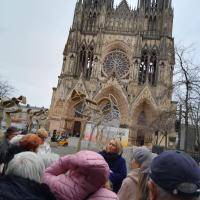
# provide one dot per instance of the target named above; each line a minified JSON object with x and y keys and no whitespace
{"x":128,"y":190}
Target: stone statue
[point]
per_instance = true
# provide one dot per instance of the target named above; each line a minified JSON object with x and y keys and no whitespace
{"x":9,"y":106}
{"x":39,"y":115}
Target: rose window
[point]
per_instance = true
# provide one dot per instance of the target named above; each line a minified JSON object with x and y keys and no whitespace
{"x":116,"y":64}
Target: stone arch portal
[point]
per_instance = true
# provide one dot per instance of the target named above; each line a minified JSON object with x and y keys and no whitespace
{"x":73,"y":121}
{"x":142,"y":116}
{"x":143,"y":111}
{"x":72,"y":118}
{"x":121,"y":100}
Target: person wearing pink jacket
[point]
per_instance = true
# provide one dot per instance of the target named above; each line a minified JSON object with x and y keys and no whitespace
{"x":79,"y":176}
{"x":103,"y":194}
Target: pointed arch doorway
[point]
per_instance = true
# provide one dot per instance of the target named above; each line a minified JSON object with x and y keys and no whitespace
{"x":143,"y":116}
{"x":78,"y":115}
{"x":77,"y":128}
{"x":140,"y":137}
{"x":142,"y":124}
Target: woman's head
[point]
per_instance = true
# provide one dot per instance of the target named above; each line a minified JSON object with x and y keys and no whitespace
{"x":114,"y":146}
{"x":141,"y":158}
{"x":30,"y":142}
{"x":42,"y":133}
{"x":26,"y":165}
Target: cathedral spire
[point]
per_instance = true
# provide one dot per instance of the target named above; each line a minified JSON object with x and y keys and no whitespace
{"x":144,"y":3}
{"x":123,"y":2}
{"x":78,"y":3}
{"x":164,"y":4}
{"x":160,"y":4}
{"x":123,"y":7}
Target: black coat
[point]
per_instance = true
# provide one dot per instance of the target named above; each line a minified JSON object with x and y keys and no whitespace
{"x":3,"y":149}
{"x":18,"y":188}
{"x":117,"y":165}
{"x":9,"y":155}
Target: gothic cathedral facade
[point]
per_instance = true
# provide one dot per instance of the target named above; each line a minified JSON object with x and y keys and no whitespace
{"x":119,"y":51}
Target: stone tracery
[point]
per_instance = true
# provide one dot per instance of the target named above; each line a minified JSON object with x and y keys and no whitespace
{"x":116,"y":63}
{"x":111,"y":114}
{"x":118,"y":51}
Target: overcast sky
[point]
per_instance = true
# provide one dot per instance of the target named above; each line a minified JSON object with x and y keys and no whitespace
{"x":33,"y":34}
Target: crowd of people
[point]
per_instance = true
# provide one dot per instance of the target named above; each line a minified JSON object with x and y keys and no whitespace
{"x":29,"y":170}
{"x":59,"y":135}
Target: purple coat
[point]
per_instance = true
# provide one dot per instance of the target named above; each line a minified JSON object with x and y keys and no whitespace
{"x":77,"y":176}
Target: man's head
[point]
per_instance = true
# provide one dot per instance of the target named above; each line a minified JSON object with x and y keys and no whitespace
{"x":11,"y":132}
{"x":174,"y":175}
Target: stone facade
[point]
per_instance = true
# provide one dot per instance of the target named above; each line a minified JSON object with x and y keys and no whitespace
{"x":120,"y":52}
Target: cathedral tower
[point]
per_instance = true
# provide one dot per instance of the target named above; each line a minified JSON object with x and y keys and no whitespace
{"x":118,"y":51}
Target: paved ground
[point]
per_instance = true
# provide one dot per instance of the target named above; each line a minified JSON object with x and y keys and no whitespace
{"x":72,"y":147}
{"x":63,"y":150}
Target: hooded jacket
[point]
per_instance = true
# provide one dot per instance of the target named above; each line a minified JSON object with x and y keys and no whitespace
{"x":103,"y":194}
{"x":77,"y":176}
{"x":129,"y":188}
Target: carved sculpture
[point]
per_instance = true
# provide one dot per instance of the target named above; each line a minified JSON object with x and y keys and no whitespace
{"x":9,"y":106}
{"x":39,"y":116}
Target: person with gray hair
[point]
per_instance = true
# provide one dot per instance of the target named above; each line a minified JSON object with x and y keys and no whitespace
{"x":22,"y":179}
{"x":16,"y":139}
{"x":141,"y":160}
{"x":49,"y":158}
{"x":174,"y":176}
{"x":27,"y":165}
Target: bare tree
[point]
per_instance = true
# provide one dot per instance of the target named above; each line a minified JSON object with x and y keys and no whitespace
{"x":6,"y":89}
{"x":186,"y":83}
{"x":162,"y":126}
{"x":194,"y":117}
